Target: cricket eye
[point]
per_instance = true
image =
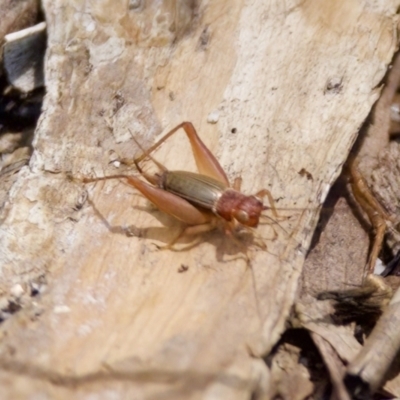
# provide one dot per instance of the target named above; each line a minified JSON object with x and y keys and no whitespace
{"x":242,"y":216}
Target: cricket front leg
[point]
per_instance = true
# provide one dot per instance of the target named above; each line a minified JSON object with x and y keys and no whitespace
{"x":265,"y":192}
{"x":237,"y":183}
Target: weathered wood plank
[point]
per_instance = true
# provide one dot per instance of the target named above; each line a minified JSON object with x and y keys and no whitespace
{"x":289,"y":82}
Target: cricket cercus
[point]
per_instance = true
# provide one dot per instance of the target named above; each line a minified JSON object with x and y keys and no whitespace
{"x":201,"y":200}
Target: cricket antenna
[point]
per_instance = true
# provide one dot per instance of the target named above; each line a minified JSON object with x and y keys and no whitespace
{"x":274,"y":221}
{"x":144,"y":155}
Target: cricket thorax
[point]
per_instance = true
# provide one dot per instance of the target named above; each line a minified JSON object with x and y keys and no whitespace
{"x":235,"y":205}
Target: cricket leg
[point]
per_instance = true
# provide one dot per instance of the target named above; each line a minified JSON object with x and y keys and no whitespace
{"x":206,"y":163}
{"x":189,"y":231}
{"x":237,"y":183}
{"x":265,"y":192}
{"x":165,"y":201}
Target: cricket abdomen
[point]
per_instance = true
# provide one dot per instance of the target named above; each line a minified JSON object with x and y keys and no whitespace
{"x":199,"y":190}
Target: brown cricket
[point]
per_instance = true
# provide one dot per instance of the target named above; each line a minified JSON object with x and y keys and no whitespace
{"x":201,"y":200}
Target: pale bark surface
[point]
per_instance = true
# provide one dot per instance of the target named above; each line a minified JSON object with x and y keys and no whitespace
{"x":290,"y":82}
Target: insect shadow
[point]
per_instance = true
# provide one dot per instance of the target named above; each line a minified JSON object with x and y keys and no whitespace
{"x":225,"y":245}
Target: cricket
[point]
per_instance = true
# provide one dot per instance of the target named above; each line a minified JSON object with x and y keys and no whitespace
{"x":203,"y":201}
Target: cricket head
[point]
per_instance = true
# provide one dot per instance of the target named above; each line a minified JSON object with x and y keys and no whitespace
{"x":248,"y":211}
{"x":244,"y":209}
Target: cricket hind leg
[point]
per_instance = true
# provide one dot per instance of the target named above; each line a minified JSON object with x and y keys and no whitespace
{"x":200,"y":222}
{"x":167,"y":202}
{"x":154,"y":179}
{"x":206,"y":163}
